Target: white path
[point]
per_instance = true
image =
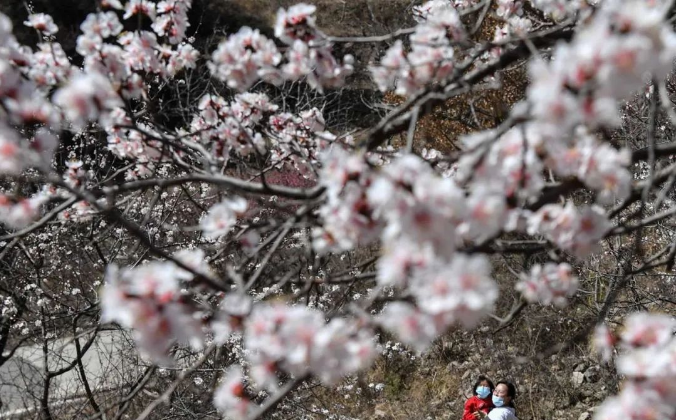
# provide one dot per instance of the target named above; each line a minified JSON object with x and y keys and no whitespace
{"x":105,"y":364}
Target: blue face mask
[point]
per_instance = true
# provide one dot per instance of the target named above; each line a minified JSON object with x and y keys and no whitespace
{"x":483,"y":391}
{"x":498,"y":401}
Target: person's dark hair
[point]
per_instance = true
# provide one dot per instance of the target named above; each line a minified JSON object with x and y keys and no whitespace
{"x":480,"y":379}
{"x":511,"y":391}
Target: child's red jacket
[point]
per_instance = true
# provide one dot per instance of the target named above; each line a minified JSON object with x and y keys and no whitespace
{"x":475,"y":404}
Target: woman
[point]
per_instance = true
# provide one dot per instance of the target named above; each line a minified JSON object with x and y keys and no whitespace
{"x":503,"y":399}
{"x":480,"y":402}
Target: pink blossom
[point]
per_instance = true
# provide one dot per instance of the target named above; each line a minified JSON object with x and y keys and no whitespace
{"x":19,"y":213}
{"x":431,"y":58}
{"x":507,"y":8}
{"x":43,"y":23}
{"x":222,"y":217}
{"x":519,"y":26}
{"x":313,"y":120}
{"x":185,"y":56}
{"x":402,"y":258}
{"x":230,"y":397}
{"x":104,"y":24}
{"x":11,"y":153}
{"x":463,"y":289}
{"x":510,"y":166}
{"x":447,"y":20}
{"x":229,"y":319}
{"x":348,"y":215}
{"x":195,"y":259}
{"x":423,"y":12}
{"x":548,"y":284}
{"x":412,"y":326}
{"x":557,"y":9}
{"x":341,"y":348}
{"x":244,"y":58}
{"x":172,"y":20}
{"x":487,"y":213}
{"x":296,"y":24}
{"x":394,"y":61}
{"x":232,"y":127}
{"x":50,"y":65}
{"x":647,"y":360}
{"x":140,"y":48}
{"x":635,"y":403}
{"x":86,"y":98}
{"x":646,"y":330}
{"x":576,"y":230}
{"x":88,"y":44}
{"x":283,"y":334}
{"x":147,"y":299}
{"x":43,"y":144}
{"x":134,"y":7}
{"x":113,"y":4}
{"x":418,"y":204}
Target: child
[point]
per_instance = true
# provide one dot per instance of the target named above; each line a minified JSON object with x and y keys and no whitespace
{"x":480,"y":403}
{"x":503,"y":399}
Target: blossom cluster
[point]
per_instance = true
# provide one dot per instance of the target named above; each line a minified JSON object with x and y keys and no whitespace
{"x":148,"y":299}
{"x":557,"y":10}
{"x":600,"y":166}
{"x":140,"y":143}
{"x":431,"y":58}
{"x":152,"y":300}
{"x":297,"y":340}
{"x":605,"y":62}
{"x":125,"y":57}
{"x":19,"y":213}
{"x":299,"y":137}
{"x":249,"y":56}
{"x":119,"y":65}
{"x":548,"y":284}
{"x":576,"y":230}
{"x":43,"y":23}
{"x":251,"y":123}
{"x":222,"y":217}
{"x":172,"y":19}
{"x":25,"y":78}
{"x":647,"y":360}
{"x":87,"y":97}
{"x":562,"y":9}
{"x":514,"y":162}
{"x":230,"y":397}
{"x":507,"y":165}
{"x":235,"y":126}
{"x":421,"y":218}
{"x":294,"y":339}
{"x":116,"y":66}
{"x":23,"y":102}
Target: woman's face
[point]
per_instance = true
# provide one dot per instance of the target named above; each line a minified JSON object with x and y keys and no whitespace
{"x":502,"y":391}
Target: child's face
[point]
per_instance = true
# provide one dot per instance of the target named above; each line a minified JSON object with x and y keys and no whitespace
{"x":484,"y":383}
{"x":502,"y":391}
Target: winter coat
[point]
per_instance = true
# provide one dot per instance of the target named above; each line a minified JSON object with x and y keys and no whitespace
{"x":502,"y":413}
{"x":475,"y":404}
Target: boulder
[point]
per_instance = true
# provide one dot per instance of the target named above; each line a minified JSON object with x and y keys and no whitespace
{"x":577,"y":379}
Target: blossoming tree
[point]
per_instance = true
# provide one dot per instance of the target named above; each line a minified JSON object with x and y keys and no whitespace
{"x":240,"y":226}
